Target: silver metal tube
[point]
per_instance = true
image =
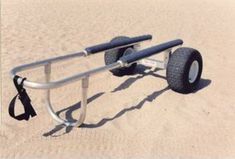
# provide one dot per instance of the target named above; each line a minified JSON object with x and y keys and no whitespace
{"x":59,"y":83}
{"x":55,"y":84}
{"x":44,"y":62}
{"x":167,"y":54}
{"x":57,"y":59}
{"x":85,"y":83}
{"x":48,"y":85}
{"x":48,"y":96}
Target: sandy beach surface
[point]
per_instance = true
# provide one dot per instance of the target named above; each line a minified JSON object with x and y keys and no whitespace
{"x":135,"y":116}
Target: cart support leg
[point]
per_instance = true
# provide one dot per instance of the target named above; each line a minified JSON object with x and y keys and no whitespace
{"x":167,"y":55}
{"x":47,"y":71}
{"x":84,"y":83}
{"x":153,"y":63}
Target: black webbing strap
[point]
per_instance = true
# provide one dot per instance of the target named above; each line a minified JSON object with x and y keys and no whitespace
{"x":25,"y":100}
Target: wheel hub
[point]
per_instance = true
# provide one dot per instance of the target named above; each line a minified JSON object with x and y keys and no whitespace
{"x":193,"y":71}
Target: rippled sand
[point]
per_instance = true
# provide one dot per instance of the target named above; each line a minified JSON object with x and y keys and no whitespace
{"x":128,"y":117}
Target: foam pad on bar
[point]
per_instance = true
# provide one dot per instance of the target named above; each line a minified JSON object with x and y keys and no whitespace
{"x":150,"y":51}
{"x":114,"y":44}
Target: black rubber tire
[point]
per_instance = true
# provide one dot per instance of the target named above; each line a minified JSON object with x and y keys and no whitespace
{"x":112,"y":56}
{"x":178,"y":67}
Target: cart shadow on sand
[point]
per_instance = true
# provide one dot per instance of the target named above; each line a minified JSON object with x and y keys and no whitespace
{"x":140,"y":71}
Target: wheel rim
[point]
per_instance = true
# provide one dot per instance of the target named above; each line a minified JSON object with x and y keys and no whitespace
{"x":128,"y":51}
{"x":193,"y":71}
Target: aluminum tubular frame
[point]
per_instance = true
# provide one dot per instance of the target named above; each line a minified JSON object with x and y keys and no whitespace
{"x":84,"y":77}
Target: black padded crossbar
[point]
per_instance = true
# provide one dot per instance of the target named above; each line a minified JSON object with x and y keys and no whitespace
{"x":150,"y":51}
{"x":114,"y":44}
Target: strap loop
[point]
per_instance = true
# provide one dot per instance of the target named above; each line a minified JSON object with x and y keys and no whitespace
{"x":25,"y":100}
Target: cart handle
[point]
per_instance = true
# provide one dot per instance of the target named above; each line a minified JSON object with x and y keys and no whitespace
{"x":150,"y":51}
{"x":114,"y":44}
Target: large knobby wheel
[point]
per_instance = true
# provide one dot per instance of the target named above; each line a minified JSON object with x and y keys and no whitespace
{"x":112,"y":56}
{"x":184,"y":70}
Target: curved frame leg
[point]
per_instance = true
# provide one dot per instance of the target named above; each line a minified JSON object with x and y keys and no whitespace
{"x":85,"y":82}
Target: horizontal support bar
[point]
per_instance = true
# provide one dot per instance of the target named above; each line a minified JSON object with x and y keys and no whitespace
{"x":20,"y":68}
{"x":55,"y":84}
{"x":150,"y":51}
{"x":76,"y":77}
{"x":115,"y":44}
{"x":44,"y":62}
{"x":152,"y":63}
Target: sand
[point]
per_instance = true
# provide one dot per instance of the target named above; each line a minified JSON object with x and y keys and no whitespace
{"x":135,"y":116}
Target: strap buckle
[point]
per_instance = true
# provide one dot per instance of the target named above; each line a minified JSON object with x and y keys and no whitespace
{"x":25,"y":100}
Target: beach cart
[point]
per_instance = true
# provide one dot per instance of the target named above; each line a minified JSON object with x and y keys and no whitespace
{"x":121,"y":55}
